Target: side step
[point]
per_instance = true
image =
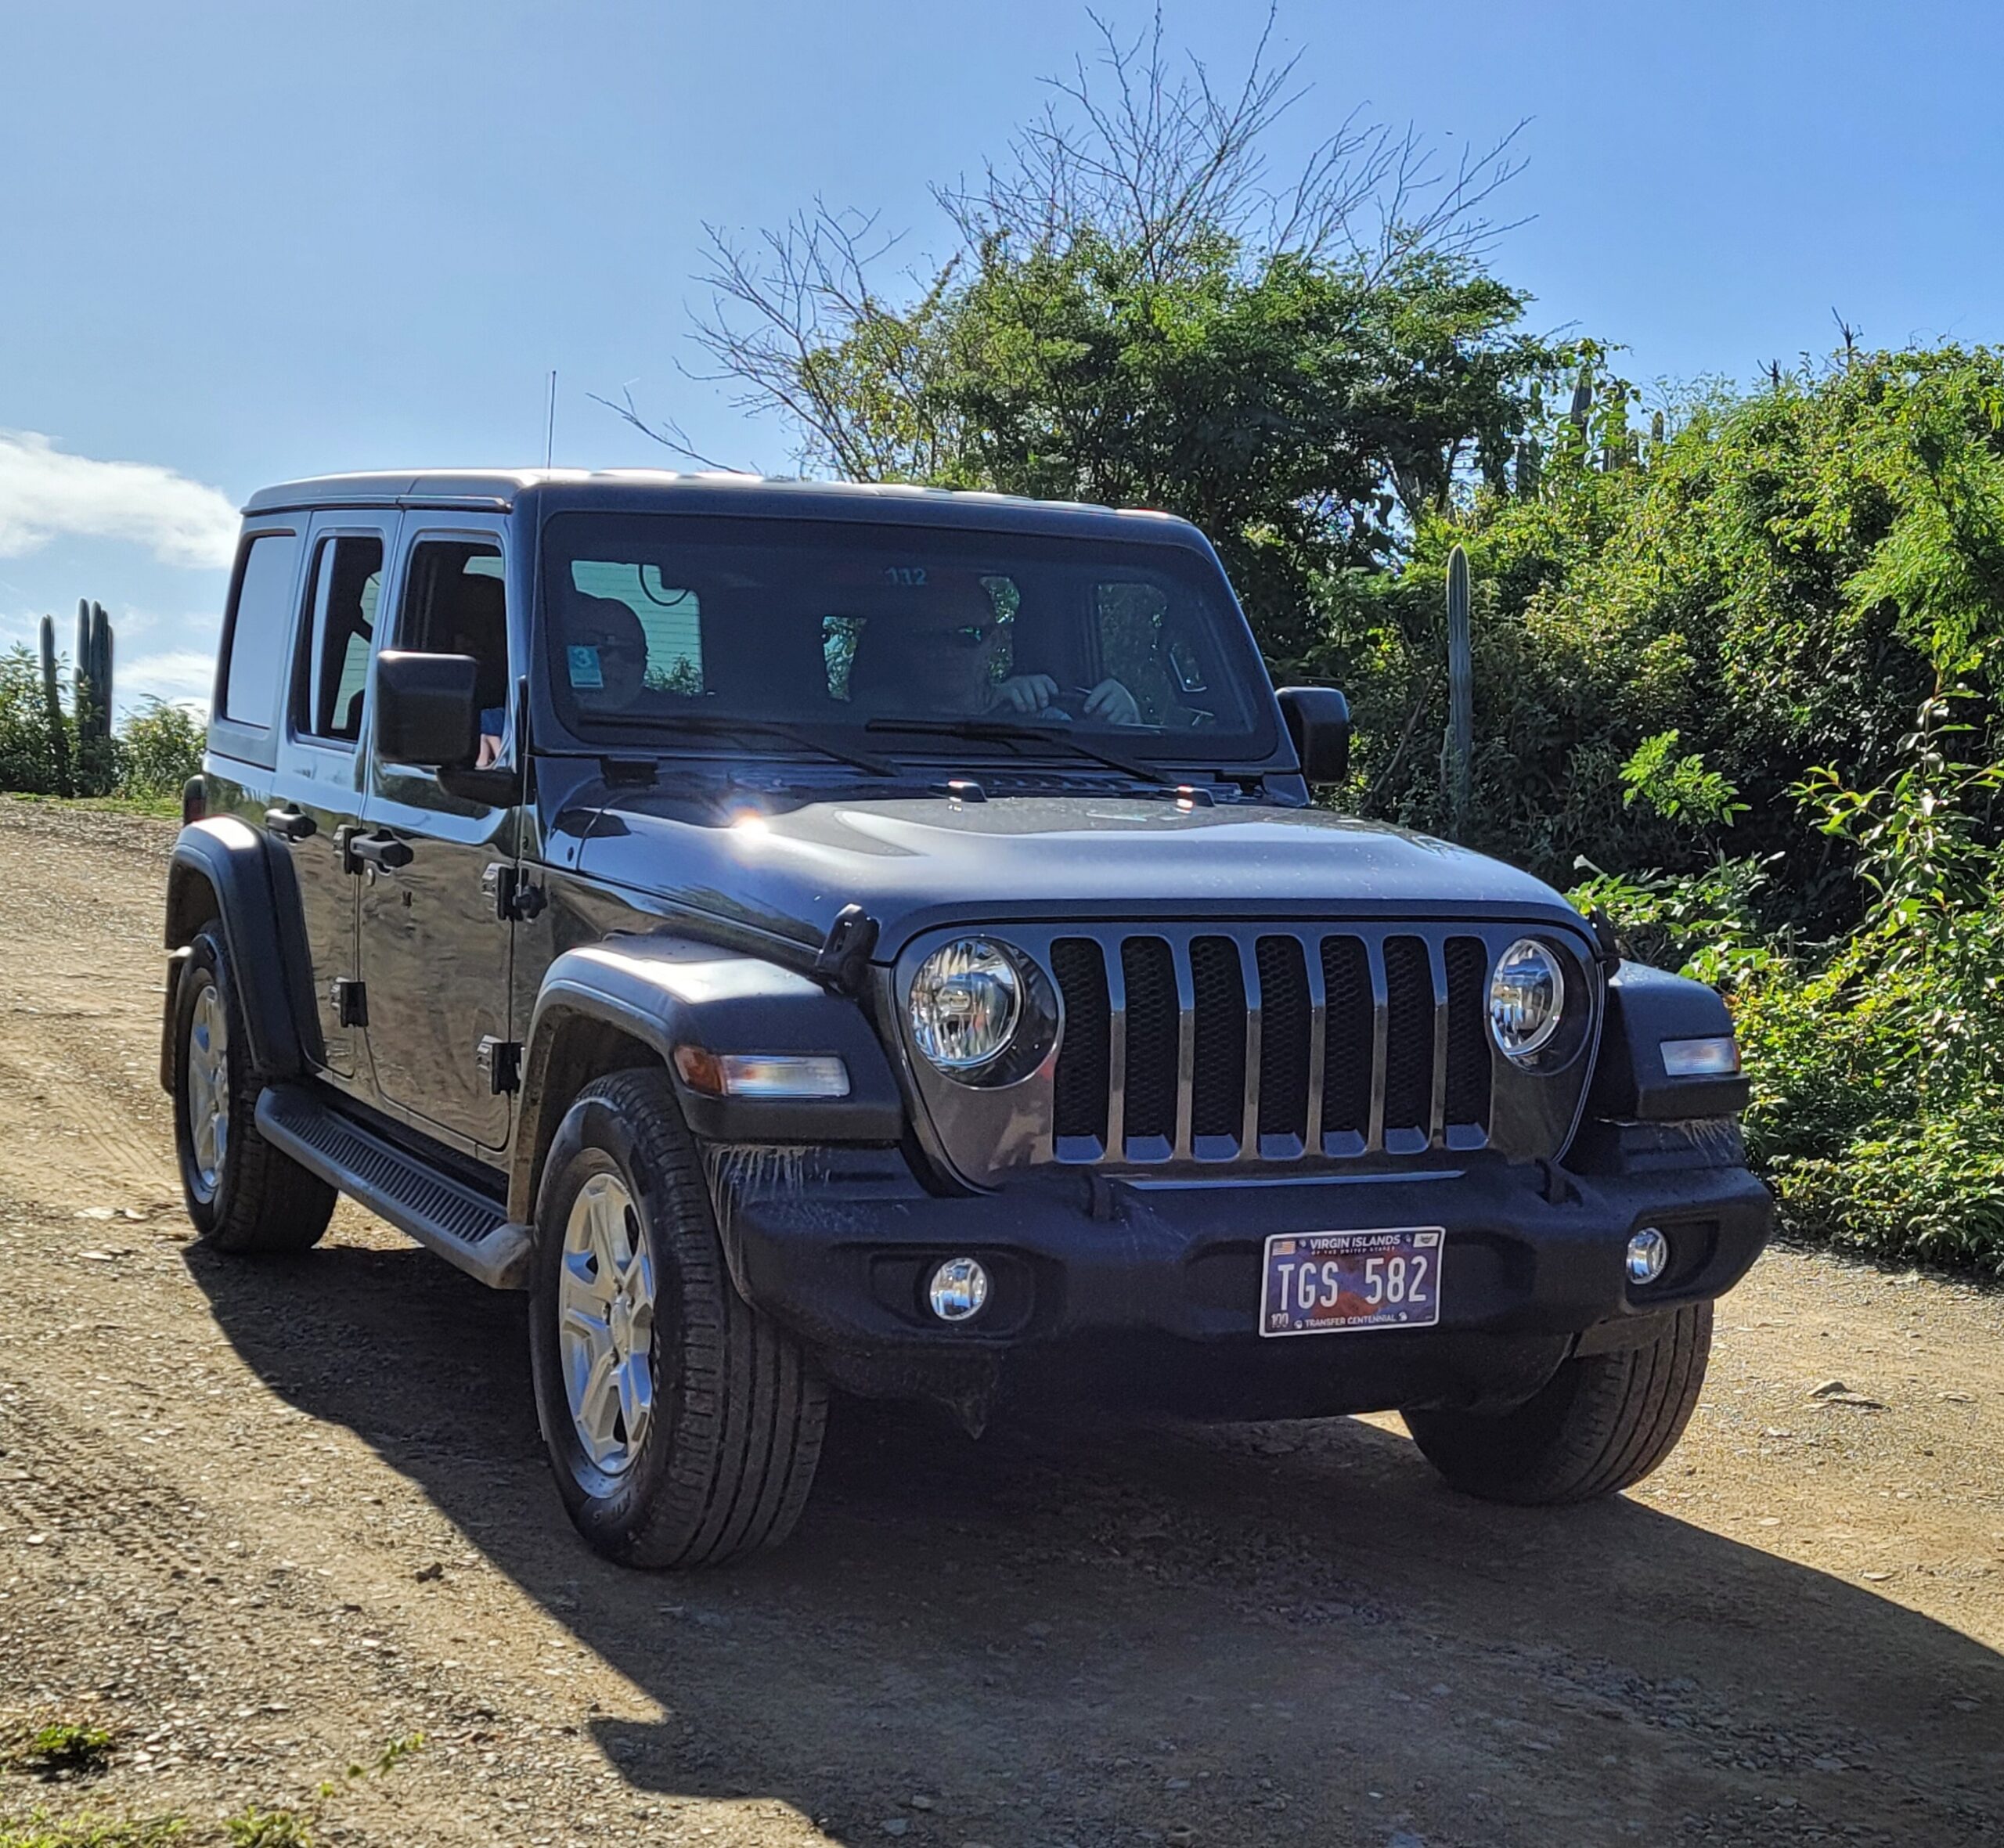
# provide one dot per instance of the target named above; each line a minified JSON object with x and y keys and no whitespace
{"x":461,"y":1225}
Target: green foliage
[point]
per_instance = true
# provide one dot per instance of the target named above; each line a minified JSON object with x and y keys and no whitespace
{"x":41,"y":1830}
{"x":62,"y":1748}
{"x":27,"y":755}
{"x":1679,"y":788}
{"x":1781,"y":579}
{"x":160,"y":749}
{"x":1878,"y":1061}
{"x":253,"y":1828}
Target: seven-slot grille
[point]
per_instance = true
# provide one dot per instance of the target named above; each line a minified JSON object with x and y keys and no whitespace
{"x":1269,"y":1045}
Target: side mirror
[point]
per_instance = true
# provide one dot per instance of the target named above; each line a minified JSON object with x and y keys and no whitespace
{"x":427,"y":709}
{"x":1318,"y":721}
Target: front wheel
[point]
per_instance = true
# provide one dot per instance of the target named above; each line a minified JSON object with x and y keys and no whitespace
{"x":1601,"y":1423}
{"x":682,"y":1426}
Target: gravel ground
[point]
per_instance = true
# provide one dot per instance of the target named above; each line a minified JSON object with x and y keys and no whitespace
{"x":265,"y":1521}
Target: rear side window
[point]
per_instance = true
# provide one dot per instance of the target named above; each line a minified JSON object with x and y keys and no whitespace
{"x":333,"y":675}
{"x":257,"y":630}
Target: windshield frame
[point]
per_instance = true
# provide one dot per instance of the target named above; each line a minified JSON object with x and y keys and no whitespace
{"x":1262,"y":750}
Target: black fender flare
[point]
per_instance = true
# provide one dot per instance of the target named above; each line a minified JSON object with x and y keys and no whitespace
{"x":1646,"y":1007}
{"x":256,"y":901}
{"x":667,"y":993}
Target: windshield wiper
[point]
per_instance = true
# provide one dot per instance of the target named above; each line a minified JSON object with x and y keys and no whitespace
{"x":1000,"y":731}
{"x":723,"y":722}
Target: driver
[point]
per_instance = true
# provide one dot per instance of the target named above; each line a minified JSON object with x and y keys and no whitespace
{"x":942,"y":660}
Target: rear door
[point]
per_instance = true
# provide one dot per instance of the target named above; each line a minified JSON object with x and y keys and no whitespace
{"x":434,"y":949}
{"x":317,"y":788}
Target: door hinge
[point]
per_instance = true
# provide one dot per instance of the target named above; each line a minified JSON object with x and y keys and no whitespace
{"x":501,"y":1061}
{"x":515,"y":900}
{"x":351,"y":1001}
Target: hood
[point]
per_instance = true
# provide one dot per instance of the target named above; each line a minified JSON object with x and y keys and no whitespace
{"x":914,"y":862}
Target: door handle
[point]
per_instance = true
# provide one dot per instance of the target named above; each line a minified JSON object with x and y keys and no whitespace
{"x":290,"y":824}
{"x":383,"y":852}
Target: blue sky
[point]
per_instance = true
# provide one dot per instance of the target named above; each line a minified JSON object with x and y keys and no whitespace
{"x":239,"y":243}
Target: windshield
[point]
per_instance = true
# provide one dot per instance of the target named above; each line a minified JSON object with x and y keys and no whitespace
{"x":859,"y":626}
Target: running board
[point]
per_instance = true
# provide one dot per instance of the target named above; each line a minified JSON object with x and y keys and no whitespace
{"x":461,"y":1225}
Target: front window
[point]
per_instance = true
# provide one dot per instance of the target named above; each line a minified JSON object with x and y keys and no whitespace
{"x":654,"y":619}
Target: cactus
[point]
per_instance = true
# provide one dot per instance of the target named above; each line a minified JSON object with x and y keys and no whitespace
{"x":52,"y":693}
{"x":101,"y":668}
{"x":1459,"y":749}
{"x":95,"y":768}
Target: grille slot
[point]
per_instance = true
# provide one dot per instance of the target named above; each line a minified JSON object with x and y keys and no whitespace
{"x":1408,"y":1038}
{"x":1217,"y":1093}
{"x":1347,"y":1054}
{"x":1085,"y":1063}
{"x":1148,"y":968}
{"x":1286,"y":1026}
{"x":1468,"y":1037}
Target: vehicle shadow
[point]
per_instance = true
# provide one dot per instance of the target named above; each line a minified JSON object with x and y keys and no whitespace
{"x":1252,"y":1634}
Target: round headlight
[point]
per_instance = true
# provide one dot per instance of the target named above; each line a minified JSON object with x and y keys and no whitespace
{"x":1527,"y":997}
{"x":966,"y":1000}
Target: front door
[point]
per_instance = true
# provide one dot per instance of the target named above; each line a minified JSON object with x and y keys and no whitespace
{"x":434,"y":949}
{"x":316,"y":787}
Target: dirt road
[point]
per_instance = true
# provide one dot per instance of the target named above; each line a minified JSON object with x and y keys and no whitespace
{"x":264,"y":1520}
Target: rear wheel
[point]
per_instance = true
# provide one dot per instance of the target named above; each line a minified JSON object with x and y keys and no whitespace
{"x":241,"y":1193}
{"x":683,"y":1427}
{"x":1603,"y":1422}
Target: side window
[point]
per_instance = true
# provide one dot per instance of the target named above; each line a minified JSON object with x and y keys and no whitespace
{"x":331,"y":679}
{"x":670,"y":617}
{"x":455,"y":602}
{"x":256,"y":631}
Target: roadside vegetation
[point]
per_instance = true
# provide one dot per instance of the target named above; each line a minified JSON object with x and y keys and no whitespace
{"x":151,"y":755}
{"x":1737,"y":649}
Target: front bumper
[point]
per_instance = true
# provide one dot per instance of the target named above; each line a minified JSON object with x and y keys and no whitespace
{"x":1119,"y":1288}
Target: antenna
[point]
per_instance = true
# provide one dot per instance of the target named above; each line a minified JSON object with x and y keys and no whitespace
{"x":549,"y":422}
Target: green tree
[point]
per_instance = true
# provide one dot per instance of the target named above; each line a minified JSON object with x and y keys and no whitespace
{"x":1138,"y":313}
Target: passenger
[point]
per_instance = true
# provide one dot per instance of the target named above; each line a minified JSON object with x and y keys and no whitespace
{"x":605,"y":665}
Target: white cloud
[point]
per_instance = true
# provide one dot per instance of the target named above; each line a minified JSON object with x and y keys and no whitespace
{"x":183,"y":676}
{"x":46,"y":494}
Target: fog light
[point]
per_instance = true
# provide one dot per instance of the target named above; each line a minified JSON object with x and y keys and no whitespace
{"x":958,"y":1289}
{"x":1649,"y":1255}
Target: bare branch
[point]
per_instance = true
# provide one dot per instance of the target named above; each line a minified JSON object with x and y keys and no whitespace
{"x":668,"y":433}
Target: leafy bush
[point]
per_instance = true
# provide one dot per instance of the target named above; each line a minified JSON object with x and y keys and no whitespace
{"x":159,"y":750}
{"x":1878,"y":1060}
{"x":27,"y":755}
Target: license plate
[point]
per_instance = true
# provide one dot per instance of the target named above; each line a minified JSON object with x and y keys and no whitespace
{"x":1322,"y":1283}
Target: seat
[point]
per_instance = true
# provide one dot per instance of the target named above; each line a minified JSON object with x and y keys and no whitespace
{"x":477,"y":624}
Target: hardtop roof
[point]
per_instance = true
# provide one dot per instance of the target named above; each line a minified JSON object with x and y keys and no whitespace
{"x":664,"y":491}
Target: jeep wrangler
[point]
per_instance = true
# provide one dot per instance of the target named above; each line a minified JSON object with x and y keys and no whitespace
{"x":815,"y":937}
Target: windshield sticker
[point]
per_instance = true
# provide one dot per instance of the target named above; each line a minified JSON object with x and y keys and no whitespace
{"x":585,"y":669}
{"x":908,"y":577}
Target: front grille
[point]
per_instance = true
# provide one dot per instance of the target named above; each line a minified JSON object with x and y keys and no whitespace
{"x":1270,"y":1045}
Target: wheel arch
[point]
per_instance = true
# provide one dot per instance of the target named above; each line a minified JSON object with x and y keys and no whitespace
{"x":222,"y":871}
{"x":633,"y":1001}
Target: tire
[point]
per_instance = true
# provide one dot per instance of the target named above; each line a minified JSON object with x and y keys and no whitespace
{"x":730,"y":1412}
{"x":1602,"y":1423}
{"x":241,"y":1193}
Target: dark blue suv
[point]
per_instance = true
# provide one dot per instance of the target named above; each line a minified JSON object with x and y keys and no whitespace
{"x":818,"y":937}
